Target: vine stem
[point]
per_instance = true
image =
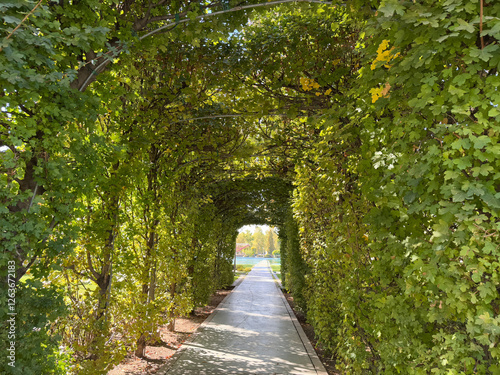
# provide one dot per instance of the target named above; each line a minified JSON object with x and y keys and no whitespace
{"x":235,"y":9}
{"x":481,"y":6}
{"x":229,"y":116}
{"x":173,"y":24}
{"x":24,"y":19}
{"x":33,"y":197}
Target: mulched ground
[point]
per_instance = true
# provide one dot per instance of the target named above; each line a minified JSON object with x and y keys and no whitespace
{"x":159,"y":354}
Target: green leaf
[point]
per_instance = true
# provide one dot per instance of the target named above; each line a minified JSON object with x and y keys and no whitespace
{"x":444,"y":37}
{"x":476,"y":277}
{"x":495,"y":29}
{"x":459,"y":195}
{"x":483,"y":170}
{"x":491,"y":200}
{"x":410,"y":197}
{"x":463,"y":25}
{"x":463,"y":162}
{"x":484,"y":54}
{"x":493,"y":112}
{"x":480,"y":142}
{"x":451,"y":175}
{"x":489,"y":247}
{"x":11,"y":19}
{"x":462,"y":143}
{"x":456,"y":91}
{"x":389,"y":7}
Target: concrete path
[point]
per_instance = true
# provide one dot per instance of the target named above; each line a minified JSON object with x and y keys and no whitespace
{"x":251,"y":332}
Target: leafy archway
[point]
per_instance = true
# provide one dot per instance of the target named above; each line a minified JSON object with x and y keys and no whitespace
{"x":369,"y":138}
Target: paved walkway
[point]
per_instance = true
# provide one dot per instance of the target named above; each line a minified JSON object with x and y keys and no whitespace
{"x":251,"y":332}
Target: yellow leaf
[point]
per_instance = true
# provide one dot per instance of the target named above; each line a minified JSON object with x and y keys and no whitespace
{"x":384,"y":55}
{"x":376,"y":94}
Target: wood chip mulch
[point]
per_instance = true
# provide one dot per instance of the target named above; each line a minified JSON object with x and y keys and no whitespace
{"x":158,"y":354}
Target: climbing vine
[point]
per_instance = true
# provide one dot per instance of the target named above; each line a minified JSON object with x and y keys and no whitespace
{"x":407,"y":283}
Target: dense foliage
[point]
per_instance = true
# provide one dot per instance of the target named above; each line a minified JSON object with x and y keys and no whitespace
{"x":137,"y":137}
{"x":399,"y":207}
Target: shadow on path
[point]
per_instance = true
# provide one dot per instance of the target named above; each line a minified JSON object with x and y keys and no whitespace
{"x":251,"y":332}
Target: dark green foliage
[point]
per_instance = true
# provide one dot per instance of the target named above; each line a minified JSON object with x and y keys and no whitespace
{"x":35,"y":345}
{"x":293,"y":269}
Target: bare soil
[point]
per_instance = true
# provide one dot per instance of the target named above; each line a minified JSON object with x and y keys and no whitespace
{"x":158,"y":354}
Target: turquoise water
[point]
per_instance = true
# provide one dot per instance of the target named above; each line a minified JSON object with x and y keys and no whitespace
{"x":254,"y":260}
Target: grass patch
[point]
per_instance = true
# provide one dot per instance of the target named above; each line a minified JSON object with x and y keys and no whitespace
{"x":276,"y":269}
{"x":244,"y":267}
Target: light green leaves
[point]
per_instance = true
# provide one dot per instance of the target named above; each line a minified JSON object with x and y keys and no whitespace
{"x":464,"y":25}
{"x":391,"y":7}
{"x":484,"y":54}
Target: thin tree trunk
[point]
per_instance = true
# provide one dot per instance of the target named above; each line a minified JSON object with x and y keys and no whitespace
{"x":171,"y":315}
{"x":140,"y":351}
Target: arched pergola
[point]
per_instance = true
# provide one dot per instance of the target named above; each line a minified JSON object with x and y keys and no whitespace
{"x":136,"y":137}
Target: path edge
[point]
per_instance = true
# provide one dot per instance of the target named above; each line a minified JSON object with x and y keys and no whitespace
{"x":163,"y":370}
{"x":318,"y":365}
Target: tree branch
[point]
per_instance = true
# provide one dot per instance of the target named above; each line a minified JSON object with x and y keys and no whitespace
{"x":231,"y":116}
{"x":24,"y":19}
{"x":481,"y":22}
{"x":91,"y":268}
{"x":82,"y":83}
{"x":235,"y":9}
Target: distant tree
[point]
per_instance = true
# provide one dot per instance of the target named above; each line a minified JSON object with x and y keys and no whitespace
{"x":270,"y":242}
{"x":245,"y":237}
{"x":249,"y":251}
{"x":259,"y":241}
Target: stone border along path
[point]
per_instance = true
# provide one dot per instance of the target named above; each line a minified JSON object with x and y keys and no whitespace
{"x":253,"y":331}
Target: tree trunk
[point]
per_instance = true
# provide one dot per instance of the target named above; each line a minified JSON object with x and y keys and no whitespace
{"x":171,"y":314}
{"x":103,"y":278}
{"x":140,"y":351}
